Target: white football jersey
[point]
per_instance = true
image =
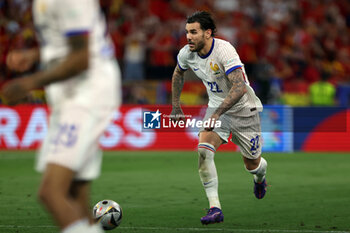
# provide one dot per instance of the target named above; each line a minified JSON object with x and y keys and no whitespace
{"x":55,"y":21}
{"x":213,"y":69}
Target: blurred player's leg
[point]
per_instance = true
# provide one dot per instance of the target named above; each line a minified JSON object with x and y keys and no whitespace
{"x":65,"y":187}
{"x":80,"y":193}
{"x":54,"y":194}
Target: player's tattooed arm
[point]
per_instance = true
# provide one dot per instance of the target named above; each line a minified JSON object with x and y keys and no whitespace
{"x":236,"y":92}
{"x":177,"y":84}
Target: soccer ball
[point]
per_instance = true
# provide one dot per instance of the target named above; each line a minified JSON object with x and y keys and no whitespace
{"x":108,"y":213}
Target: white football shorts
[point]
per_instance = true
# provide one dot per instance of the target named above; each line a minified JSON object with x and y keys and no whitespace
{"x":246,"y":132}
{"x":72,"y":140}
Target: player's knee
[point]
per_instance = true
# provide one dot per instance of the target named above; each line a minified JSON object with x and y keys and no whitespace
{"x":251,"y":164}
{"x":47,"y":193}
{"x":206,"y":154}
{"x":206,"y":151}
{"x":44,"y":194}
{"x":258,"y":167}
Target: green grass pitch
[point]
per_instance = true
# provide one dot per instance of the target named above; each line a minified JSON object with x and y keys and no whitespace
{"x":161,"y":192}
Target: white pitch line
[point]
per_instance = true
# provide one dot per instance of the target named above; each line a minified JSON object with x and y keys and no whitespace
{"x":16,"y":226}
{"x":229,"y":229}
{"x":196,"y":229}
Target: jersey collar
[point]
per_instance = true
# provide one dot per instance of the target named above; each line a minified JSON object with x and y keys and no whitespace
{"x":211,"y":49}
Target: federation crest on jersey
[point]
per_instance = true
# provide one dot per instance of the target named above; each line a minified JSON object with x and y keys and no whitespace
{"x":215,"y":68}
{"x":151,"y":120}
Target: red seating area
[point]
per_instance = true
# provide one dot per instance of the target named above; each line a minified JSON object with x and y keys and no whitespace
{"x":289,"y":43}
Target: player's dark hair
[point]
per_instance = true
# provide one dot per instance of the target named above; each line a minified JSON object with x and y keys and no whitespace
{"x":204,"y":19}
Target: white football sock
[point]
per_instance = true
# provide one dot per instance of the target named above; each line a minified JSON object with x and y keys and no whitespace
{"x":96,"y":228}
{"x":81,"y":225}
{"x":208,"y":174}
{"x":259,"y":172}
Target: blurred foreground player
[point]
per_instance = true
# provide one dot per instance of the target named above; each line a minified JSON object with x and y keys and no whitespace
{"x":231,"y":100}
{"x":82,"y":83}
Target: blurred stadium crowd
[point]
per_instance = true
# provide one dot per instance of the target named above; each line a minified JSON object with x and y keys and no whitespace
{"x":296,"y":52}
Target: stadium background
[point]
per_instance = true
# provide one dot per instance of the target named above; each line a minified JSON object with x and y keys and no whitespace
{"x":296,"y":54}
{"x":287,"y":47}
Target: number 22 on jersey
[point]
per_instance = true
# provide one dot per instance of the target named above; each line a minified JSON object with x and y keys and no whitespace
{"x":214,"y":87}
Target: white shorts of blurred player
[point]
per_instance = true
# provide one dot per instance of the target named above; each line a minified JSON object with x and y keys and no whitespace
{"x":72,"y":140}
{"x":246,"y":132}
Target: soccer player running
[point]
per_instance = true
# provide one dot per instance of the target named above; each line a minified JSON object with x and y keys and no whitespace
{"x":231,"y":100}
{"x":82,"y":84}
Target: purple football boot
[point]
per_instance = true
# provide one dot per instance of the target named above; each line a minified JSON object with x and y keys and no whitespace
{"x":260,"y":189}
{"x":214,"y":215}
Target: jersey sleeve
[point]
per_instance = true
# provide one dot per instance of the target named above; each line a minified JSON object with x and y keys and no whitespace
{"x":75,"y":17}
{"x":182,"y":59}
{"x":229,"y":58}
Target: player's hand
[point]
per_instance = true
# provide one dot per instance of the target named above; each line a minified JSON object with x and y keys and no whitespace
{"x":212,"y":121}
{"x":16,"y":90}
{"x":20,"y":60}
{"x":177,"y":114}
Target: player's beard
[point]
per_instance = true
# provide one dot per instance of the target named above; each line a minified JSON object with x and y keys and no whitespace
{"x":199,"y":46}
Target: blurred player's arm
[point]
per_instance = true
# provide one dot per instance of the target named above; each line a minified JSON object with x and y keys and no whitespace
{"x":74,"y":63}
{"x":236,"y":92}
{"x":22,"y":60}
{"x":177,"y":83}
